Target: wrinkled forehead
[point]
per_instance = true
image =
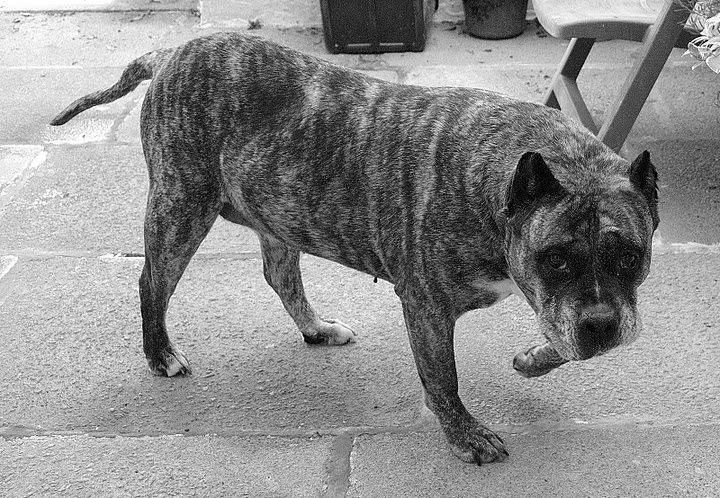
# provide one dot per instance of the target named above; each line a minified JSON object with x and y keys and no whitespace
{"x":620,"y":214}
{"x":627,"y":214}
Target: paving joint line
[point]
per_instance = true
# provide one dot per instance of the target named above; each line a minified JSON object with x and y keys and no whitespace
{"x":352,"y":432}
{"x":90,"y":10}
{"x":338,"y":466}
{"x":33,"y":255}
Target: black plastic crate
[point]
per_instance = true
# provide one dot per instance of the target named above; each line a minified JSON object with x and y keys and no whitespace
{"x":373,"y":26}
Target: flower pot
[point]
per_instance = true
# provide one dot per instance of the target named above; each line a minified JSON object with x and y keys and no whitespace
{"x":495,"y":19}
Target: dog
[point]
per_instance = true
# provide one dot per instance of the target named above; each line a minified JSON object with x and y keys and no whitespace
{"x":459,"y":197}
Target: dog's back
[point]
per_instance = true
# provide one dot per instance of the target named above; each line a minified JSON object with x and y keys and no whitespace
{"x":286,"y":129}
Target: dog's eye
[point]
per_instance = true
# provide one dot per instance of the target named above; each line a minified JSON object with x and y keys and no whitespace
{"x":557,"y":261}
{"x":628,"y":261}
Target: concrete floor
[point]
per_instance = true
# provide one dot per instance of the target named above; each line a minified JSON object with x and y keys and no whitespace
{"x":264,"y":415}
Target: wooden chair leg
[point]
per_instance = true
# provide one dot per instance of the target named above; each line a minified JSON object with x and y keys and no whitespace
{"x":657,"y":46}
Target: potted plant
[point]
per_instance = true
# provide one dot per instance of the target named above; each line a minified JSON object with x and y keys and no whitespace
{"x":495,"y":19}
{"x":705,"y":18}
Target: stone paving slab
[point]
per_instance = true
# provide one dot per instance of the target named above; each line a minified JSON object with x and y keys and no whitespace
{"x":34,"y":97}
{"x":92,"y":199}
{"x":677,"y":105}
{"x":165,"y":466}
{"x":17,"y":164}
{"x":672,"y":357}
{"x":238,"y":13}
{"x":113,"y":39}
{"x":676,"y":461}
{"x":689,"y":179}
{"x":96,"y":5}
{"x":639,"y":422}
{"x":253,"y":372}
{"x":81,"y":199}
{"x":82,"y":368}
{"x":89,"y":39}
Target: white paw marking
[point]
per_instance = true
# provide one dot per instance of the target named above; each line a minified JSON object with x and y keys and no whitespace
{"x":338,"y":333}
{"x":177,"y":363}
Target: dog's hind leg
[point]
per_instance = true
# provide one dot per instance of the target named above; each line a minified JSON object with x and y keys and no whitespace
{"x":281,"y":266}
{"x":178,"y":218}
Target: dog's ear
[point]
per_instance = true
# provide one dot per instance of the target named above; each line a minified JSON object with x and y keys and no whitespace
{"x":643,"y":177}
{"x":530,"y":181}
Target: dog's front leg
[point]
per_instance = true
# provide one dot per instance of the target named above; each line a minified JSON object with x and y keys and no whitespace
{"x":431,"y":337}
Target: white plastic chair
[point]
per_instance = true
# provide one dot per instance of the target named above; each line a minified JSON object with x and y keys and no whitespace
{"x":656,"y":23}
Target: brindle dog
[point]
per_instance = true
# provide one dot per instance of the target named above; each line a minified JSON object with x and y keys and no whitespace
{"x":456,"y":196}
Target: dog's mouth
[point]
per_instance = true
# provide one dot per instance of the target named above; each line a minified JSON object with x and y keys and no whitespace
{"x":557,"y":344}
{"x":581,"y":334}
{"x":577,"y":336}
{"x":578,"y":351}
{"x":540,"y":360}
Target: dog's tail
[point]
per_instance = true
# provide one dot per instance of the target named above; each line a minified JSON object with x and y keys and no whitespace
{"x":142,"y":68}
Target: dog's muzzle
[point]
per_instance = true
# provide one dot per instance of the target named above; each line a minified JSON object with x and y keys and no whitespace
{"x":598,"y":331}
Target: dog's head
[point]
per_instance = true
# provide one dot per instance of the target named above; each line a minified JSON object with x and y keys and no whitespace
{"x":579,"y":246}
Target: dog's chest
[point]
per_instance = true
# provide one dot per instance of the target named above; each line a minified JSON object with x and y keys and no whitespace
{"x":501,"y":288}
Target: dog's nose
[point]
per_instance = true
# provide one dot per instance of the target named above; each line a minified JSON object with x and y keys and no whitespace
{"x":597,"y":331}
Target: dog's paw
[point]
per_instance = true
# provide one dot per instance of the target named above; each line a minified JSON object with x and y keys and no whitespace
{"x":171,"y":362}
{"x":537,"y":361}
{"x":475,"y":443}
{"x":338,"y":333}
{"x":331,"y":333}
